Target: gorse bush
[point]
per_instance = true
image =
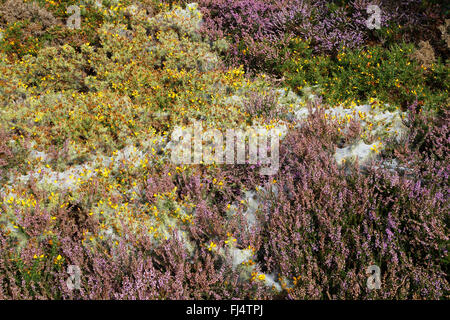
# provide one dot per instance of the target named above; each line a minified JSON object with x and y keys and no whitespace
{"x":14,"y":148}
{"x":357,"y":75}
{"x":87,"y":178}
{"x":116,"y":71}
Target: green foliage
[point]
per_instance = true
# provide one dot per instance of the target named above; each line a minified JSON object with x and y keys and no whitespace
{"x":85,"y":173}
{"x":120,"y":88}
{"x":390,"y":75}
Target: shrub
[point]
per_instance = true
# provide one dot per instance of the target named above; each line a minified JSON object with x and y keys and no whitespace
{"x":259,"y":30}
{"x":425,"y":55}
{"x":5,"y":150}
{"x":357,"y":75}
{"x":327,"y":224}
{"x":15,"y":11}
{"x":86,"y":178}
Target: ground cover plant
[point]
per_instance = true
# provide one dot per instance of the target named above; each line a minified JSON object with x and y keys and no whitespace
{"x":88,"y":182}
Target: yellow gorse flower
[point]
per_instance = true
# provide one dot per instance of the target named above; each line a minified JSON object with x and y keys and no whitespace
{"x":211,"y":246}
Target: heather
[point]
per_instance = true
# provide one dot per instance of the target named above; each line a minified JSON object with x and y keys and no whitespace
{"x":87,"y":179}
{"x":258,"y":30}
{"x":325,"y":44}
{"x":328,"y":217}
